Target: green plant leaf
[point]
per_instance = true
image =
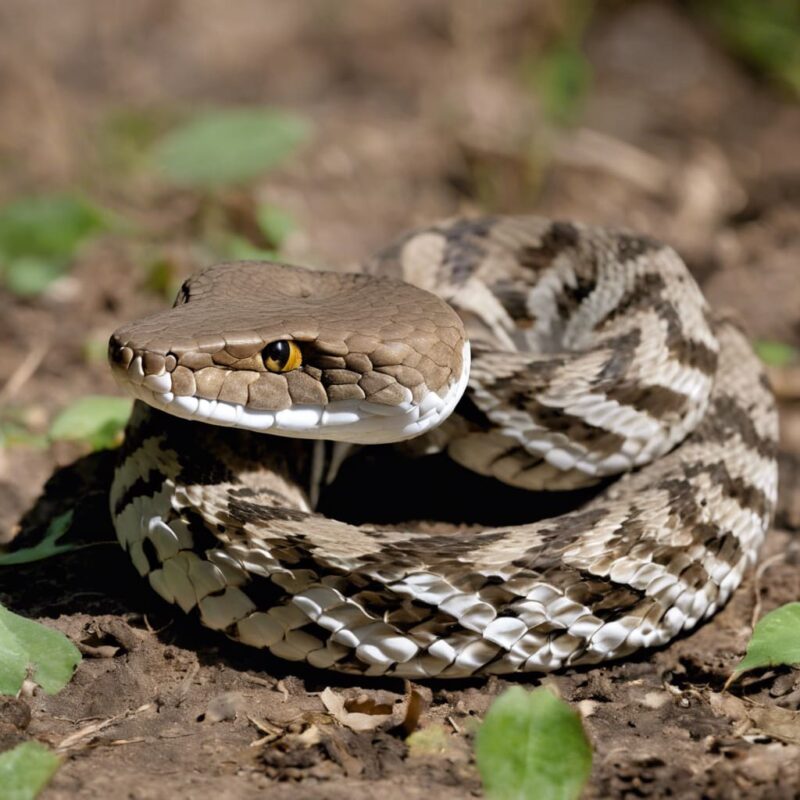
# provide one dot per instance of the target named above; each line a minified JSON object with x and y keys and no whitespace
{"x":26,"y":770}
{"x":532,"y":745}
{"x":47,"y":547}
{"x":96,"y":419}
{"x":229,"y":147}
{"x":26,"y":645}
{"x":38,"y":237}
{"x":48,"y":227}
{"x":275,"y":223}
{"x":776,"y":354}
{"x":775,"y":640}
{"x":30,"y":275}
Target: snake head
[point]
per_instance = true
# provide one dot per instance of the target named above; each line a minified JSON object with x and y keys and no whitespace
{"x":296,"y":352}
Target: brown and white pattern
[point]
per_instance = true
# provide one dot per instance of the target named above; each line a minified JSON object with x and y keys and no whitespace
{"x":593,"y":353}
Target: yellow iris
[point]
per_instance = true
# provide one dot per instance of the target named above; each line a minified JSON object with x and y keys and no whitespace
{"x":282,"y":356}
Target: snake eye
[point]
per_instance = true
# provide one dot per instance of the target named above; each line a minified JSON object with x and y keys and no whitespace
{"x":282,"y":356}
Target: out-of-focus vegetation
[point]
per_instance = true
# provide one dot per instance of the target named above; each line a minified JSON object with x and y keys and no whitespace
{"x":96,"y":419}
{"x":560,"y":74}
{"x":763,"y":33}
{"x":532,"y":744}
{"x":776,"y":354}
{"x":39,"y":236}
{"x":211,"y":153}
{"x":16,"y":430}
{"x":224,"y":148}
{"x":25,"y":770}
{"x":49,"y":546}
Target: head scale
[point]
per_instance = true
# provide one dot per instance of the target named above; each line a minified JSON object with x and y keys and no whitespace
{"x":291,"y":351}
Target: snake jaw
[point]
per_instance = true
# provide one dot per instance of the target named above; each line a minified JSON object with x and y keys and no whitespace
{"x":367,"y":359}
{"x":355,"y":421}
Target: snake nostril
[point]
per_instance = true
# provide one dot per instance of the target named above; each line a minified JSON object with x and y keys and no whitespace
{"x":118,"y":353}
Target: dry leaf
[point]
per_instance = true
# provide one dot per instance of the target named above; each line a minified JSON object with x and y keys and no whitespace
{"x":364,"y":704}
{"x":366,"y":712}
{"x":778,"y":723}
{"x":415,"y":704}
{"x":309,"y":737}
{"x":364,"y":720}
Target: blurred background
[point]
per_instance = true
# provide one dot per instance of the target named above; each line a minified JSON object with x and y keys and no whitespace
{"x":140,"y":141}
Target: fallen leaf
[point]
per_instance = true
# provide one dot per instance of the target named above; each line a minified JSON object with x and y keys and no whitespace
{"x":415,"y":704}
{"x":364,"y":704}
{"x":372,"y":717}
{"x":778,"y":723}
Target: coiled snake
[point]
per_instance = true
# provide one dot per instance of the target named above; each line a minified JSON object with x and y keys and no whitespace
{"x":593,"y":353}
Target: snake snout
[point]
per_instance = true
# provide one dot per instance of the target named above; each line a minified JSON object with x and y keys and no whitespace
{"x":376,"y":361}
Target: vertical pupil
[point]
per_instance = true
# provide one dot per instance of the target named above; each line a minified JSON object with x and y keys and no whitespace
{"x":278,"y":352}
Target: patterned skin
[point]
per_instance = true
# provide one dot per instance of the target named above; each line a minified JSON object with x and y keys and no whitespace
{"x":593,"y":353}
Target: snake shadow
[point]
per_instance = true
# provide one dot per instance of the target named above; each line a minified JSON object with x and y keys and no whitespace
{"x":375,"y":486}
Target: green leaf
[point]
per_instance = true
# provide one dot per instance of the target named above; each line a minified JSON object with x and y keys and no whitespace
{"x":532,"y":745}
{"x":96,"y":419}
{"x":26,"y":770}
{"x":229,"y":147}
{"x":38,"y":237}
{"x":776,"y":354}
{"x":26,"y":645}
{"x":29,"y":276}
{"x":47,"y":547}
{"x":275,"y":223}
{"x":763,"y":33}
{"x":47,"y":226}
{"x":775,"y":640}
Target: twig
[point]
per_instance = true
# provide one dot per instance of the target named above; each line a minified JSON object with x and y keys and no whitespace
{"x":95,"y":727}
{"x":24,"y":371}
{"x":594,"y":150}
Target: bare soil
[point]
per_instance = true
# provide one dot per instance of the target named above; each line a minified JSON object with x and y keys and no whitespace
{"x":420,"y":110}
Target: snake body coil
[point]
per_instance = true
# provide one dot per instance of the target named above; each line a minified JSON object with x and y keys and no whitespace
{"x":592,"y":353}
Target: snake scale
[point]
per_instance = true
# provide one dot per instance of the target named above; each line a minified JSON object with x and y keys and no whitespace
{"x":592,"y":353}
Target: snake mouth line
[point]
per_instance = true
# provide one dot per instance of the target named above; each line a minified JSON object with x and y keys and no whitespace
{"x":355,"y":421}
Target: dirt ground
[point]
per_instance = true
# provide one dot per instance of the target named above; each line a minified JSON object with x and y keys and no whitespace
{"x":420,"y":110}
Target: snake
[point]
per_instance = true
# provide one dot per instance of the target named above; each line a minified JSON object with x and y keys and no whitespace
{"x":547,"y":355}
